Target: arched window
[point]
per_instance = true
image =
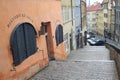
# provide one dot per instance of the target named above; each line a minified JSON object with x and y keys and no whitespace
{"x":23,"y":42}
{"x":59,"y":34}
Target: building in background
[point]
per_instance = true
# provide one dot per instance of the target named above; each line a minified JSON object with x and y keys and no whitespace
{"x":112,"y":27}
{"x":77,"y":17}
{"x":117,"y":20}
{"x":71,"y":15}
{"x":91,"y":17}
{"x":83,"y":20}
{"x":100,"y":21}
{"x":106,"y":19}
{"x":83,"y":13}
{"x":68,"y":25}
{"x":107,"y":8}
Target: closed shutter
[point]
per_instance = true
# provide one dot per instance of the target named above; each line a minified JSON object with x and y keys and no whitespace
{"x":59,"y":34}
{"x":18,"y":45}
{"x":23,"y":42}
{"x":30,"y":39}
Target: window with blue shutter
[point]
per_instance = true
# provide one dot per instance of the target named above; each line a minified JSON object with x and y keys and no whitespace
{"x":23,"y":42}
{"x":59,"y":34}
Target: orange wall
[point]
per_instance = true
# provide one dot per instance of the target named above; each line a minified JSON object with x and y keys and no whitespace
{"x":13,"y":12}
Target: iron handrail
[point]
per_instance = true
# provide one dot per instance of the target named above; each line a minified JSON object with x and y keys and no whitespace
{"x":110,"y":42}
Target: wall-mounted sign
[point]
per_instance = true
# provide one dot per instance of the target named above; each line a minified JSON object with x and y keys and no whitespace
{"x":16,"y":17}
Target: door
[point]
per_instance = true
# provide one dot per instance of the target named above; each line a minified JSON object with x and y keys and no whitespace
{"x":49,"y":40}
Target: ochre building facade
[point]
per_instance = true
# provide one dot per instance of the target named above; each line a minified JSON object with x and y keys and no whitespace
{"x":31,"y":34}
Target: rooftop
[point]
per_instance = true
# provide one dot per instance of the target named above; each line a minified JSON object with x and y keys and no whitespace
{"x":93,"y":7}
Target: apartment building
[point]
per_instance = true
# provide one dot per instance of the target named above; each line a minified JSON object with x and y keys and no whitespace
{"x":71,"y":13}
{"x":117,"y":21}
{"x":83,"y":13}
{"x":91,"y":17}
{"x":100,"y":21}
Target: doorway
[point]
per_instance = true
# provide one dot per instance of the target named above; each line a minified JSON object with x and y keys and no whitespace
{"x":49,"y":40}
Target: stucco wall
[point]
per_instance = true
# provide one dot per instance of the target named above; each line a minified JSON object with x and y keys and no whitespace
{"x":100,"y":22}
{"x":34,"y":12}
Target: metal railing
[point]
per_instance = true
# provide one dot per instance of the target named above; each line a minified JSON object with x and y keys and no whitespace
{"x":110,"y":42}
{"x":113,"y":43}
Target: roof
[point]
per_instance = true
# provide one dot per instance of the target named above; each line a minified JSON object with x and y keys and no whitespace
{"x":93,"y":7}
{"x":105,"y":1}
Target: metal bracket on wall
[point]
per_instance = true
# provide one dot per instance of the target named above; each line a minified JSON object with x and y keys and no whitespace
{"x":14,"y":69}
{"x":42,"y":53}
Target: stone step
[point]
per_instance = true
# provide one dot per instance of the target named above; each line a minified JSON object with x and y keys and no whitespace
{"x":93,"y":61}
{"x":90,"y":51}
{"x":78,"y":70}
{"x":88,"y":63}
{"x":93,"y":49}
{"x":89,"y":55}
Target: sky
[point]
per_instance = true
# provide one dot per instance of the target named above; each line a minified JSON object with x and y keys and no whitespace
{"x":92,"y":1}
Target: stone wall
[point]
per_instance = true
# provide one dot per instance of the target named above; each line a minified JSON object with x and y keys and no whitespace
{"x":115,"y":55}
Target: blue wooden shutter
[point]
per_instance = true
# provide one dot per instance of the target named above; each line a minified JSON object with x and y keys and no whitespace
{"x":23,"y":42}
{"x":59,"y":34}
{"x":30,"y":39}
{"x":18,"y":45}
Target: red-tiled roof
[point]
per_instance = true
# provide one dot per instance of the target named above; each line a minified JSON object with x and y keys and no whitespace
{"x":93,"y":7}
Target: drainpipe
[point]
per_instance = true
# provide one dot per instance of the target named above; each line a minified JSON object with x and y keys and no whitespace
{"x":81,"y":24}
{"x":81,"y":13}
{"x":115,"y":20}
{"x":72,"y":11}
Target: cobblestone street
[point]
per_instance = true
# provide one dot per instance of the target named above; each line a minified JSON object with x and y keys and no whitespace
{"x":89,"y":63}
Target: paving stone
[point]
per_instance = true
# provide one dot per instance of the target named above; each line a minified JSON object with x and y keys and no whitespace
{"x":82,"y":64}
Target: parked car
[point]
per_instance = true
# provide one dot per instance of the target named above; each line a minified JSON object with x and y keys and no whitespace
{"x":90,"y":35}
{"x":96,"y":42}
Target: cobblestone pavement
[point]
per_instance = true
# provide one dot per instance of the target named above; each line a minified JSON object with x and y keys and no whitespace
{"x":90,"y":53}
{"x":89,"y":63}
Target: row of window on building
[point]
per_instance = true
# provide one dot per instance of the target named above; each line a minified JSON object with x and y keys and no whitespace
{"x":69,"y":13}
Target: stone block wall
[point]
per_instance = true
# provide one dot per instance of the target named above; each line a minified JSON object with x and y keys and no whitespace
{"x":115,"y":55}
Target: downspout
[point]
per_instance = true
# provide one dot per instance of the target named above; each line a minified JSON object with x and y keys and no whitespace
{"x":115,"y":20}
{"x":81,"y":23}
{"x":81,"y":13}
{"x":72,"y":11}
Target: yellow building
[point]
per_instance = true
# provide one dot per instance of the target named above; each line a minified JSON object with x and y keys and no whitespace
{"x":91,"y":17}
{"x":83,"y":12}
{"x":100,"y":22}
{"x":71,"y":23}
{"x":112,"y":28}
{"x":108,"y":18}
{"x":83,"y":9}
{"x":68,"y":25}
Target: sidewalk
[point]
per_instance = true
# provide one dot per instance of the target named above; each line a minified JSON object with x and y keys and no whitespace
{"x":89,"y":63}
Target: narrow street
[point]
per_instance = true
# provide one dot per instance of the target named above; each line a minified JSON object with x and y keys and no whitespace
{"x":88,"y":63}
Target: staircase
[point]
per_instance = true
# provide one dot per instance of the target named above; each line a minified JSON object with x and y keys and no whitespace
{"x":89,"y":63}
